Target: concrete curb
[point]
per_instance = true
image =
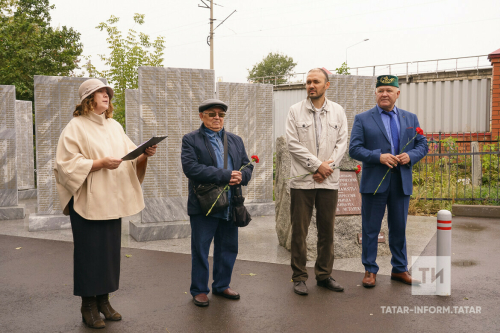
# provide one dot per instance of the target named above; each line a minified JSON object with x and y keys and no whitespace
{"x":476,"y":211}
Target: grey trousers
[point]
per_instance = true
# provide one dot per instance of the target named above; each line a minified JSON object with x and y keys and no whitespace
{"x":301,"y":208}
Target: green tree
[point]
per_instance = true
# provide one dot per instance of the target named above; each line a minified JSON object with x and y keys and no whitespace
{"x":30,"y":46}
{"x":343,"y":69}
{"x":125,"y":57}
{"x":275,"y":67}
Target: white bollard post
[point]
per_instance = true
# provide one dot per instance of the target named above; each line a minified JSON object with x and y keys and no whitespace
{"x":443,"y":255}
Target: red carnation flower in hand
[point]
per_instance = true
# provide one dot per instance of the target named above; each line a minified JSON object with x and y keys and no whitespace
{"x":358,"y":170}
{"x":420,"y":131}
{"x":255,"y":158}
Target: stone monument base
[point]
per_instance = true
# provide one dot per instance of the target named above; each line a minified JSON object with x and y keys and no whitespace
{"x":12,"y":213}
{"x":346,"y":237}
{"x":261,"y":208}
{"x":40,"y":222}
{"x":345,"y":241}
{"x":151,"y":231}
{"x":26,"y":194}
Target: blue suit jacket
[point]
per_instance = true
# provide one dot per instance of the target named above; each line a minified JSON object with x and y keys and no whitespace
{"x":369,"y":139}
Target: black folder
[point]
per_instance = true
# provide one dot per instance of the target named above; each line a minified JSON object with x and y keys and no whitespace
{"x":142,"y":147}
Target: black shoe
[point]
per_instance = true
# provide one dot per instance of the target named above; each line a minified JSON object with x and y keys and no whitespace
{"x":330,"y":283}
{"x":300,"y":288}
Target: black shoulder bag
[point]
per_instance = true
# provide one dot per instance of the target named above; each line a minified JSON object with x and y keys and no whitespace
{"x":240,"y":216}
{"x":207,"y":193}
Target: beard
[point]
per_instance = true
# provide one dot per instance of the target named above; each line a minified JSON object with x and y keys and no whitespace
{"x":316,"y":96}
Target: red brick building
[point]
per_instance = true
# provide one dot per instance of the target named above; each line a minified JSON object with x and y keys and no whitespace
{"x":494,"y":58}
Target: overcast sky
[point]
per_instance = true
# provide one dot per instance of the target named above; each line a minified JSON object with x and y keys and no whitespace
{"x":316,"y":33}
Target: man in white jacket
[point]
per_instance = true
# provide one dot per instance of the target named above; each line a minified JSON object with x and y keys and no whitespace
{"x":316,"y":132}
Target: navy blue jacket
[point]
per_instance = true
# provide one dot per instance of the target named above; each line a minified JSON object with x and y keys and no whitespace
{"x":200,"y":165}
{"x":369,"y":139}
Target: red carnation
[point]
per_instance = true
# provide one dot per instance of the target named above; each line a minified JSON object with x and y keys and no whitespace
{"x":255,"y":158}
{"x":358,"y":170}
{"x":420,"y":131}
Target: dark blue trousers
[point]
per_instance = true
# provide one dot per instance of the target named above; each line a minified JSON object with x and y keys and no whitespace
{"x":372,"y":212}
{"x":225,"y":236}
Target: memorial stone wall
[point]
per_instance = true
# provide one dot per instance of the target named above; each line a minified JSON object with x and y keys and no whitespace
{"x":250,"y":116}
{"x":169,"y":100}
{"x":55,"y":101}
{"x":24,"y":143}
{"x":354,"y":93}
{"x":8,"y":169}
{"x":132,"y":115}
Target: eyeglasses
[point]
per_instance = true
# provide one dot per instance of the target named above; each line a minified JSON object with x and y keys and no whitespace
{"x":213,"y":114}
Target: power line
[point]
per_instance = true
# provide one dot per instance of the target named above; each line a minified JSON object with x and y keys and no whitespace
{"x":343,"y":33}
{"x":368,"y":31}
{"x":225,"y":19}
{"x":342,"y":17}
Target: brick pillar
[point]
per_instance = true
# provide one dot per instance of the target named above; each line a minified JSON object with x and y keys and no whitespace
{"x":494,"y":58}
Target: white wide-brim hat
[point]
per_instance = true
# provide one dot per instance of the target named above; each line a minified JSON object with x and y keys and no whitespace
{"x":91,"y":85}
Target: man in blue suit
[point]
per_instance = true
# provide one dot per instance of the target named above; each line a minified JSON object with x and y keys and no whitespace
{"x":378,"y":139}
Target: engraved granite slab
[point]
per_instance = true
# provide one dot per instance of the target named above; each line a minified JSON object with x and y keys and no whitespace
{"x":349,"y":198}
{"x":132,"y":115}
{"x":250,"y":116}
{"x":8,"y":169}
{"x":24,"y":144}
{"x":169,"y":100}
{"x":55,"y":101}
{"x":354,"y":93}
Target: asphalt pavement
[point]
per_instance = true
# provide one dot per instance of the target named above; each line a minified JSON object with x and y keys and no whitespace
{"x":36,"y":288}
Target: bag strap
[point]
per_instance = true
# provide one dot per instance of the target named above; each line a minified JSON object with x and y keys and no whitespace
{"x":225,"y":150}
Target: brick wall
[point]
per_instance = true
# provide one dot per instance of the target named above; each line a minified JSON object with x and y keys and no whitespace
{"x":494,"y":58}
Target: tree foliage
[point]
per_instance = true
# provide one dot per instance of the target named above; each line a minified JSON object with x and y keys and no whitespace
{"x":125,"y":56}
{"x":30,"y":46}
{"x":343,"y":69}
{"x":274,"y":65}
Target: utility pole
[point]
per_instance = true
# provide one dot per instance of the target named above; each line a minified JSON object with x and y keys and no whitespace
{"x":211,"y":34}
{"x":210,"y":38}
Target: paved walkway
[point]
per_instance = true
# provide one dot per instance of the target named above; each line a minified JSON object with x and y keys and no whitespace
{"x":257,"y":242}
{"x":36,"y":288}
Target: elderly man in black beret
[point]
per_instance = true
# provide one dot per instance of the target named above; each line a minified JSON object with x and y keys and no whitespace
{"x":204,"y":162}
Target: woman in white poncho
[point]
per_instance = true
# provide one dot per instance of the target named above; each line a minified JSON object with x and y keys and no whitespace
{"x":96,"y":189}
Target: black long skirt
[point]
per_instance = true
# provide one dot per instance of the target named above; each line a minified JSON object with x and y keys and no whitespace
{"x":96,"y":255}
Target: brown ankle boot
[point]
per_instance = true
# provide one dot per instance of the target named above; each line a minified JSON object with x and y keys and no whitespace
{"x":90,"y":315}
{"x":106,"y":309}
